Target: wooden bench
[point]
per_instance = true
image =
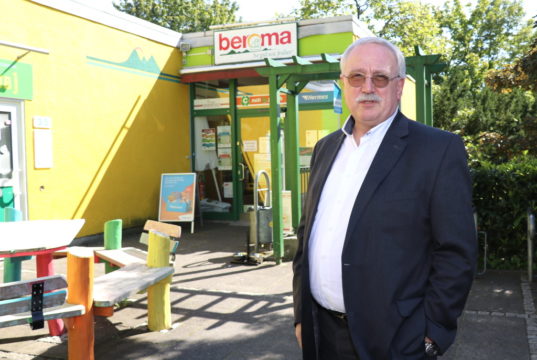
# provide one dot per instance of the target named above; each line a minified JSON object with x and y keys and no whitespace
{"x":35,"y":301}
{"x":131,"y":255}
{"x":119,"y":285}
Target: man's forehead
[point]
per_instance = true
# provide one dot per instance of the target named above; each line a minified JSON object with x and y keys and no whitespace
{"x":371,"y":57}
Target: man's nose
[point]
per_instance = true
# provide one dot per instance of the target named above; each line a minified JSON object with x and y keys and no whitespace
{"x":368,"y":86}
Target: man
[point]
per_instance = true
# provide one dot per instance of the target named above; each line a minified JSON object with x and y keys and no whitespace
{"x":387,"y":243}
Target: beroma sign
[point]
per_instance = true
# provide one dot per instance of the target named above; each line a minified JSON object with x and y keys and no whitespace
{"x":255,"y":43}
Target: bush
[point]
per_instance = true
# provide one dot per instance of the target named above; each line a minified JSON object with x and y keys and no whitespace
{"x":502,"y":196}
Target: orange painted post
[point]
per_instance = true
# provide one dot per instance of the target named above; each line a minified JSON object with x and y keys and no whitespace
{"x":158,"y":295}
{"x":80,"y":291}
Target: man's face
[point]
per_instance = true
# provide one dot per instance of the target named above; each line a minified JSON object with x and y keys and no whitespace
{"x":370,"y":60}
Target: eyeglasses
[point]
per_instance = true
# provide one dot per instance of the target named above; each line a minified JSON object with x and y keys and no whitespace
{"x":380,"y":81}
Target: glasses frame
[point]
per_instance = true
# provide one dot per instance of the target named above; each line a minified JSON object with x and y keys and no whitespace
{"x":349,"y":79}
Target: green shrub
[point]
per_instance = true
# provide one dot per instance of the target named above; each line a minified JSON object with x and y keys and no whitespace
{"x":503,"y":194}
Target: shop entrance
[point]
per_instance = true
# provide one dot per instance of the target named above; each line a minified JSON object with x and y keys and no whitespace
{"x":254,"y":154}
{"x":12,"y":164}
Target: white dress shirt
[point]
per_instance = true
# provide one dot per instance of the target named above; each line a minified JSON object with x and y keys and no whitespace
{"x":335,"y":206}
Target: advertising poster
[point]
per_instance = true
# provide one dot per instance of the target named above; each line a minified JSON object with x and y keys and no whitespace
{"x":177,"y":197}
{"x":208,"y":139}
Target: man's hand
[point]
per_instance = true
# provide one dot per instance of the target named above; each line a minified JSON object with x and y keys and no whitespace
{"x":298,"y":334}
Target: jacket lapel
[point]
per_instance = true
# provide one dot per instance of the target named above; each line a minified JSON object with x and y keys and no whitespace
{"x":391,"y":148}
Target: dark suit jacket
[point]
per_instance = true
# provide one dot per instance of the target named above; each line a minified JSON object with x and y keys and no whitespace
{"x":410,"y":248}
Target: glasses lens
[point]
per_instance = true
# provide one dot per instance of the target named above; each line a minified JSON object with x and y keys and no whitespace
{"x":356,"y":80}
{"x":380,"y":81}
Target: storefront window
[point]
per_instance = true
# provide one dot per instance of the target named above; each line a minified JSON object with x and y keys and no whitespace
{"x":214,"y":162}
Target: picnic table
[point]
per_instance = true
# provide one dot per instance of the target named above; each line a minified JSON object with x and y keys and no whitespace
{"x":39,"y":238}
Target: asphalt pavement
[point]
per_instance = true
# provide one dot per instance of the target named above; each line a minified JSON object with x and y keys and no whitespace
{"x":222,"y":310}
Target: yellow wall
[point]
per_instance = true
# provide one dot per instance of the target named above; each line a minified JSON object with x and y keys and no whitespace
{"x":115,"y":129}
{"x":408,"y":100}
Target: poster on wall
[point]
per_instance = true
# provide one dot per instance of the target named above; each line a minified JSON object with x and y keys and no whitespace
{"x":224,"y":136}
{"x":224,"y":158}
{"x":208,"y":139}
{"x":177,"y":197}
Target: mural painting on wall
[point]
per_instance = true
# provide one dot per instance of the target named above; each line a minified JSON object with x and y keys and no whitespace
{"x":136,"y":63}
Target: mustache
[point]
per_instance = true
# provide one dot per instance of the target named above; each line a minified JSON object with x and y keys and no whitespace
{"x":368,"y":97}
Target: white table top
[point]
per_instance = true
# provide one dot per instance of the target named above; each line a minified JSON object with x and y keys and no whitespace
{"x":35,"y":235}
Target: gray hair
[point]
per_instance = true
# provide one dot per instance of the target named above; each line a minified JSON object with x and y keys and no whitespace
{"x":380,"y":41}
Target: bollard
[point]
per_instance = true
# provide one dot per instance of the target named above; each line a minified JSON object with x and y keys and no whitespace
{"x":112,"y":239}
{"x":158,"y":296}
{"x":531,"y":235}
{"x":80,"y":291}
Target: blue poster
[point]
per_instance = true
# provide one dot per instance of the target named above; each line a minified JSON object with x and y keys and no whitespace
{"x":177,"y":197}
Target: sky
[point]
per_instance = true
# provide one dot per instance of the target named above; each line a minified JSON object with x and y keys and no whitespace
{"x":252,"y":11}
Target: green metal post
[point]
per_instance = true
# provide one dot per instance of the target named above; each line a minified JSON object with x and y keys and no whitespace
{"x":236,"y":155}
{"x":112,"y":239}
{"x":13,"y":265}
{"x":192,"y":90}
{"x":275,"y":159}
{"x":428,"y":97}
{"x":292,"y":146}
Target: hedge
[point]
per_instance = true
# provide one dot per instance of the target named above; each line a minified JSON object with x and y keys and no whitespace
{"x":503,"y":194}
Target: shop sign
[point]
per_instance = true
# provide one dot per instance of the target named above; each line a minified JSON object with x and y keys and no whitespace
{"x":15,"y":80}
{"x":246,"y":101}
{"x":255,"y":43}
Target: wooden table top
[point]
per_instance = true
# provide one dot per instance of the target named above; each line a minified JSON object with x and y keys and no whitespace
{"x":37,"y":235}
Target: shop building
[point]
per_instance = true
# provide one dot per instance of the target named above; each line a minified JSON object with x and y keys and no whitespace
{"x":95,"y":106}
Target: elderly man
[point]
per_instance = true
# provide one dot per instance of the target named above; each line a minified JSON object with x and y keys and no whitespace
{"x":387,"y":243}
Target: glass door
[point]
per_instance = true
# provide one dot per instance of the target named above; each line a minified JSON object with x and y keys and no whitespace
{"x":12,"y":164}
{"x":254,"y":154}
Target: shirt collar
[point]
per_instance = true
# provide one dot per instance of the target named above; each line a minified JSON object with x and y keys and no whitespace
{"x":349,"y":124}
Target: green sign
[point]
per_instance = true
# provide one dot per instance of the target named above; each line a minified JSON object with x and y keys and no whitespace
{"x":15,"y":80}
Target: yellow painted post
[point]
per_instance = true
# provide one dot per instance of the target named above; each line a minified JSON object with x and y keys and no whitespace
{"x":80,"y":291}
{"x":158,"y":296}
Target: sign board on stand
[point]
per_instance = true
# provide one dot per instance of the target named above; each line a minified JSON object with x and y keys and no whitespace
{"x":177,"y":198}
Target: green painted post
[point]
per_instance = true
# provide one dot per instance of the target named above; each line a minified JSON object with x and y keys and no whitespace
{"x":112,"y":239}
{"x":428,"y":97}
{"x":13,"y":265}
{"x":235,"y":151}
{"x":292,"y":146}
{"x":275,"y":160}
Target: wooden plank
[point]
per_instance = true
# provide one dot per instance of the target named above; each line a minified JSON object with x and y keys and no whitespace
{"x":144,"y":239}
{"x":122,"y":283}
{"x":23,"y":304}
{"x":63,"y":252}
{"x":34,"y":235}
{"x":61,"y":312}
{"x":165,"y":228}
{"x":122,"y":257}
{"x":22,"y":288}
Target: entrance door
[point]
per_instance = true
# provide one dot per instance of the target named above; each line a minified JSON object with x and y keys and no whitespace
{"x":254,"y":154}
{"x":12,"y":164}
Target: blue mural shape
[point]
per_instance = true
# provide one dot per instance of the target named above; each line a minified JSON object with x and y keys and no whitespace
{"x":135,"y":64}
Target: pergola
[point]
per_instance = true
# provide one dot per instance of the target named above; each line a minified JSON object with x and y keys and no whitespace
{"x":291,"y":79}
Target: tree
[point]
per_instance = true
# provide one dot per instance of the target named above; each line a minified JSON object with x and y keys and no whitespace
{"x":522,"y":73}
{"x":406,"y":23}
{"x":182,"y":15}
{"x":483,"y":38}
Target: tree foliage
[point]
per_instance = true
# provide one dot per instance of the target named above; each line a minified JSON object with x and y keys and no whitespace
{"x":182,"y":15}
{"x":522,"y":73}
{"x":406,"y":23}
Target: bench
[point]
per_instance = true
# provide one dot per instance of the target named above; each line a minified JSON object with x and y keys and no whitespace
{"x":94,"y":296}
{"x":35,"y":301}
{"x":131,"y":255}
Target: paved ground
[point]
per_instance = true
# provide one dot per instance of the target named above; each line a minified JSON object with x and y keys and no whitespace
{"x":226,"y":311}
